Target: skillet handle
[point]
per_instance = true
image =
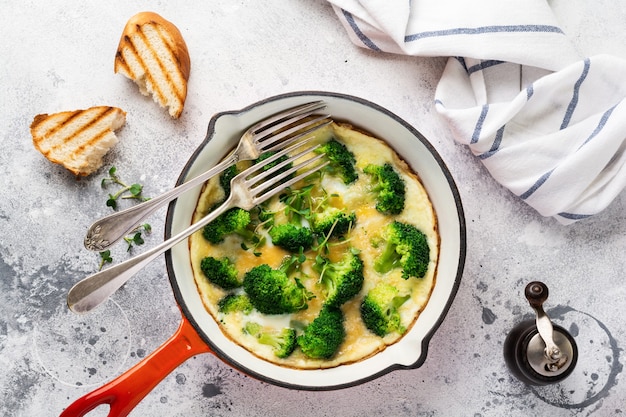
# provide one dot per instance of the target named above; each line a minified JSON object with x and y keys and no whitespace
{"x":127,"y":390}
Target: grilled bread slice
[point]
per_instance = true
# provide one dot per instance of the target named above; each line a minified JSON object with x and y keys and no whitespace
{"x":78,"y":139}
{"x":153,"y":54}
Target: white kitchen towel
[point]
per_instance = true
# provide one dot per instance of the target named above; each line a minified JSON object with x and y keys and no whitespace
{"x":548,"y":125}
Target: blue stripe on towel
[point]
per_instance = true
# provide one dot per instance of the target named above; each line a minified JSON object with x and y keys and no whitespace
{"x":482,"y":66}
{"x":598,"y":129}
{"x":495,"y":146}
{"x":530,"y":90}
{"x":572,"y":104}
{"x":536,"y":185}
{"x":357,"y":31}
{"x":479,"y":124}
{"x":574,"y":216}
{"x":482,"y":30}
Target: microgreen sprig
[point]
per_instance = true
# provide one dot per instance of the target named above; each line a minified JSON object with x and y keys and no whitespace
{"x":105,"y":258}
{"x":298,"y":202}
{"x":132,"y":191}
{"x":136,"y":238}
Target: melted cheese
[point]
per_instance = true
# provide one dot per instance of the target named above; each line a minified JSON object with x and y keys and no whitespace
{"x":359,"y":343}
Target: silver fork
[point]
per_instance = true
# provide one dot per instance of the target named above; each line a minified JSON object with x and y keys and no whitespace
{"x":271,"y":134}
{"x":247,"y":190}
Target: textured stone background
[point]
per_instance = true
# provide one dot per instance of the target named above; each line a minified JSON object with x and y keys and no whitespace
{"x":59,"y":56}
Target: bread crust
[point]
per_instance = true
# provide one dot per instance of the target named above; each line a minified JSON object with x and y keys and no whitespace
{"x":143,"y":18}
{"x":179,"y":51}
{"x":78,"y":139}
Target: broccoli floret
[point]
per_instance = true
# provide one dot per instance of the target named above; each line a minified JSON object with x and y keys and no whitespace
{"x":323,"y":336}
{"x":221,"y":272}
{"x":231,"y":303}
{"x":341,"y":280}
{"x":272,"y":291}
{"x":341,"y":160}
{"x":235,"y":220}
{"x":224,"y":180}
{"x":329,"y":220}
{"x":333,"y":221}
{"x":406,"y":248}
{"x":291,"y":233}
{"x":379,"y":310}
{"x":283,"y":342}
{"x":226,"y":177}
{"x":389,"y":188}
{"x":291,"y":236}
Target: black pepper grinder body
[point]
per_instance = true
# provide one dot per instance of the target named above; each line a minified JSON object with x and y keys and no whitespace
{"x":536,"y":351}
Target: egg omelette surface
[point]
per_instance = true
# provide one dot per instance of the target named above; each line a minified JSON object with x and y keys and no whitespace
{"x":364,"y":237}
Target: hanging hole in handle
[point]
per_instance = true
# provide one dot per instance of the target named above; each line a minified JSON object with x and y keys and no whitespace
{"x":96,"y":404}
{"x":101,"y":410}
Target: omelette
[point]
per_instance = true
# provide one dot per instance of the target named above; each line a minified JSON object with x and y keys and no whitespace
{"x":364,"y":235}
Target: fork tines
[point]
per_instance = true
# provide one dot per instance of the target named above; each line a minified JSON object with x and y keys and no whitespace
{"x":285,"y":128}
{"x":284,"y":180}
{"x":280,"y":176}
{"x":286,"y":117}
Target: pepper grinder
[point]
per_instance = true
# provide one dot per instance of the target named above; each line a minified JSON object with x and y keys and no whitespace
{"x":536,"y":351}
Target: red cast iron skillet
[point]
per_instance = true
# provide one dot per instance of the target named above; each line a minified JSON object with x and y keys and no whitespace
{"x":198,"y":331}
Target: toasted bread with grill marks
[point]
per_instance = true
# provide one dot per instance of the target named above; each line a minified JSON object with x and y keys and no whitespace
{"x":153,"y":53}
{"x":78,"y":139}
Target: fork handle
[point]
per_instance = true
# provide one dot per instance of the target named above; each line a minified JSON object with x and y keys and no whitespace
{"x":103,"y":233}
{"x":92,"y":291}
